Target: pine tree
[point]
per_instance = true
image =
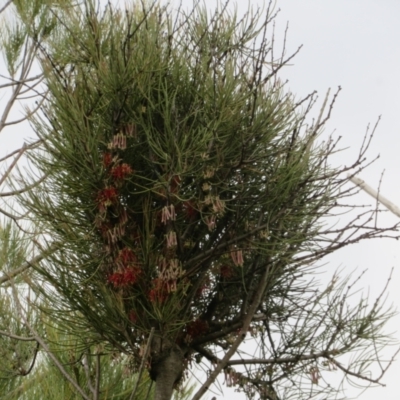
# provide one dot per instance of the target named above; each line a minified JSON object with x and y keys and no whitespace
{"x":179,"y":202}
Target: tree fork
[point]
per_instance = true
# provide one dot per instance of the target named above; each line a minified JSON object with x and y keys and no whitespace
{"x":167,"y":365}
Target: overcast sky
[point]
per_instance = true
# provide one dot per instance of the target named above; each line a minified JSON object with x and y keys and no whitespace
{"x":354,"y":44}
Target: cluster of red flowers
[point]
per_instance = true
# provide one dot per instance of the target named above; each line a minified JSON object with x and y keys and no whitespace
{"x":159,"y":292}
{"x":127,"y":257}
{"x":126,"y":270}
{"x":129,"y":271}
{"x":127,"y":277}
{"x":118,"y":172}
{"x":107,"y":196}
{"x":121,"y":171}
{"x":107,"y":159}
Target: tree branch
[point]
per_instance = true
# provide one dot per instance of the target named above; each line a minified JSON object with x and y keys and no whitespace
{"x":44,"y":345}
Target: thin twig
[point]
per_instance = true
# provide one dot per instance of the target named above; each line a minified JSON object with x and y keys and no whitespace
{"x":22,"y":338}
{"x":376,"y":195}
{"x":44,"y":345}
{"x":11,"y":275}
{"x":5,"y":6}
{"x":14,"y":82}
{"x":242,"y":334}
{"x":27,"y":147}
{"x":85,"y":362}
{"x":9,"y":169}
{"x":142,"y":364}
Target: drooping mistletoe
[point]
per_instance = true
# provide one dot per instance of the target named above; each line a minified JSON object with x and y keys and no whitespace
{"x":121,"y":227}
{"x":184,"y":194}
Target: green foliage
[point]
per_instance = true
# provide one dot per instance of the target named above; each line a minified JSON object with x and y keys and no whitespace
{"x":13,"y":251}
{"x":81,"y":362}
{"x":181,"y":192}
{"x":18,"y":350}
{"x":26,"y":372}
{"x":12,"y":42}
{"x":220,"y":148}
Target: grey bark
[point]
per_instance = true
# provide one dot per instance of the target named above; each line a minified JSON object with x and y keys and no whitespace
{"x":166,"y":367}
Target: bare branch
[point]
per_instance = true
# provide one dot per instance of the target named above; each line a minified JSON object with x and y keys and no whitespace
{"x":22,"y":338}
{"x":44,"y":345}
{"x":5,"y":6}
{"x":28,"y":264}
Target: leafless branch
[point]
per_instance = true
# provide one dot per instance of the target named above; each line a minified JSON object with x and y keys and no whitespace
{"x":28,"y":264}
{"x":5,"y":6}
{"x":41,"y":341}
{"x":22,"y":338}
{"x":142,"y":364}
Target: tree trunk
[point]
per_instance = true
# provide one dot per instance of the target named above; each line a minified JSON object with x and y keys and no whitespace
{"x":166,"y":368}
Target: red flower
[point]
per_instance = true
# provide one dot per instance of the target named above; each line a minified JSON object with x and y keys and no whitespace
{"x":107,"y":159}
{"x":120,"y":172}
{"x":107,"y":196}
{"x":127,"y":277}
{"x":127,"y":257}
{"x":159,"y":292}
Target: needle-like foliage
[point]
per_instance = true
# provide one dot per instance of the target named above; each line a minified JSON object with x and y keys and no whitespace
{"x":185,"y":202}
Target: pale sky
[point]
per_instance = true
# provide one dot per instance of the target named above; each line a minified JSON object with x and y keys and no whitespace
{"x":354,"y":44}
